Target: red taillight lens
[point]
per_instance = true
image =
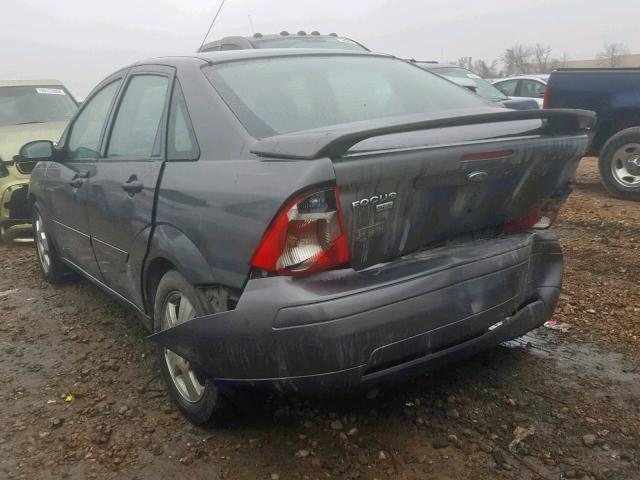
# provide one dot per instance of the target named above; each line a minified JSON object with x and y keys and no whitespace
{"x":545,"y":98}
{"x":523,"y":223}
{"x":306,"y":236}
{"x":540,"y":218}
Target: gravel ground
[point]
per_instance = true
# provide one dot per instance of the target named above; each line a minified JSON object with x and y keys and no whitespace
{"x":81,"y":395}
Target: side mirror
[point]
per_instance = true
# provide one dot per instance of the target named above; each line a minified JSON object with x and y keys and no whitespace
{"x":37,"y":150}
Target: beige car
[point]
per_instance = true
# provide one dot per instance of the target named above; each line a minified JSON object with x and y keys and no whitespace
{"x":29,"y":110}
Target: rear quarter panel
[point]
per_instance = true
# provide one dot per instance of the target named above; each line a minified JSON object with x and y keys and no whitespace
{"x":224,"y":208}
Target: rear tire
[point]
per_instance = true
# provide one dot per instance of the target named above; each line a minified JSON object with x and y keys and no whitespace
{"x":194,"y":393}
{"x":51,"y":265}
{"x":619,"y":164}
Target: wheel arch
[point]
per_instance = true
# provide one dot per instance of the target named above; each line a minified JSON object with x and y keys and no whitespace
{"x":622,"y":131}
{"x":611,"y":184}
{"x":613,"y":123}
{"x":171,"y":249}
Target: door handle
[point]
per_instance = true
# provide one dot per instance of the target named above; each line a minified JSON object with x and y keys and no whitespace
{"x":76,"y":181}
{"x":133,"y":185}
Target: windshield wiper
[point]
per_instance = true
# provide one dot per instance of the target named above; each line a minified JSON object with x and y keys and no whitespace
{"x":28,"y":123}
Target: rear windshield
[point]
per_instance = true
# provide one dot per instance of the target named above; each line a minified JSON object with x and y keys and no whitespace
{"x":23,"y":105}
{"x":483,"y":88}
{"x":338,"y":43}
{"x":287,"y":94}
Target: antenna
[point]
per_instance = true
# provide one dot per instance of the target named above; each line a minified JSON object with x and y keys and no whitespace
{"x":251,"y":24}
{"x":211,"y":26}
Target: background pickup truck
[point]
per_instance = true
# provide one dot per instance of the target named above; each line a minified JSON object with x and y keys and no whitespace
{"x":614,"y":94}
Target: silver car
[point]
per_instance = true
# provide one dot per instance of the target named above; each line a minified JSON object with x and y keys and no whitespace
{"x":523,"y":86}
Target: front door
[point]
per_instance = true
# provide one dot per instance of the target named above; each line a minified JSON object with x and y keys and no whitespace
{"x":67,"y":179}
{"x":122,"y":187}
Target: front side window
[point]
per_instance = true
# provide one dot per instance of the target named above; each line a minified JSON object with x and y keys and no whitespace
{"x":303,"y":92}
{"x":23,"y":105}
{"x":139,"y":116}
{"x":86,"y":131}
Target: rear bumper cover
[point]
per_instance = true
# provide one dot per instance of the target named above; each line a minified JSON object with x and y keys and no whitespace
{"x":343,"y":329}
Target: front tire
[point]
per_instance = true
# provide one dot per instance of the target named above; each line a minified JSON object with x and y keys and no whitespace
{"x":619,"y":164}
{"x":193,"y":392}
{"x":51,"y":265}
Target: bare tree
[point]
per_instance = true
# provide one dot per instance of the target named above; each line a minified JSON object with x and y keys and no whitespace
{"x":486,"y":69}
{"x":523,"y":59}
{"x":465,"y":62}
{"x":480,"y":67}
{"x":518,"y":59}
{"x":542,"y":58}
{"x":611,"y":54}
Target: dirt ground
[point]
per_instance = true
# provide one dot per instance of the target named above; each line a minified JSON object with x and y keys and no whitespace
{"x":81,"y":396}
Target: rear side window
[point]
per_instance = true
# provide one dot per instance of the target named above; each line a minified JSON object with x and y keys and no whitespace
{"x":181,"y":139}
{"x":508,"y":87}
{"x":86,"y":131}
{"x":139,"y":116}
{"x":303,"y":92}
{"x":531,"y":88}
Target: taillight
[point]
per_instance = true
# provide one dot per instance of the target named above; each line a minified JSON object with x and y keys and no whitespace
{"x":545,"y":98}
{"x":306,"y":236}
{"x":540,"y":218}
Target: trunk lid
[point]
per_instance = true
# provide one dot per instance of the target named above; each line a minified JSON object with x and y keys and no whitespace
{"x":397,"y":201}
{"x":421,"y":182}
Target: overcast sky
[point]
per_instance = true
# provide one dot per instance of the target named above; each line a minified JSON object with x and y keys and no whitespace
{"x":82,"y":41}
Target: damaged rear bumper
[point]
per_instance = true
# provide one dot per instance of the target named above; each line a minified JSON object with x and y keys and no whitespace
{"x":343,"y":329}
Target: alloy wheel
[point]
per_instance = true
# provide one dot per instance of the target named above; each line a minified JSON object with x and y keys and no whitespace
{"x":177,"y":310}
{"x":42,"y":244}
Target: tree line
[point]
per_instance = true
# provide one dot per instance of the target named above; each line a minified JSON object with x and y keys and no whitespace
{"x":527,"y":59}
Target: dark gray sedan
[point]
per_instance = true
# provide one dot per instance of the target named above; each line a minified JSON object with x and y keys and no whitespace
{"x":306,"y":220}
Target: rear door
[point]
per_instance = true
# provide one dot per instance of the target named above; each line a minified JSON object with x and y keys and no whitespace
{"x":122,"y":188}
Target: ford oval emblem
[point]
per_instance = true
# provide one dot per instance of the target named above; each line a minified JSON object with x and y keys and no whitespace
{"x":476,"y":177}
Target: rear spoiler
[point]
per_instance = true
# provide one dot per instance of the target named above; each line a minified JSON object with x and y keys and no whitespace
{"x":336,"y":141}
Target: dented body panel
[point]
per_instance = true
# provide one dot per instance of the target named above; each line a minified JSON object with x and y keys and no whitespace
{"x":342,"y":329}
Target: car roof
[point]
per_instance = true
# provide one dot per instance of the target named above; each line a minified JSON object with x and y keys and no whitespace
{"x":433,"y":65}
{"x":538,"y":76}
{"x":29,"y":83}
{"x":232,"y":55}
{"x":249,"y":40}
